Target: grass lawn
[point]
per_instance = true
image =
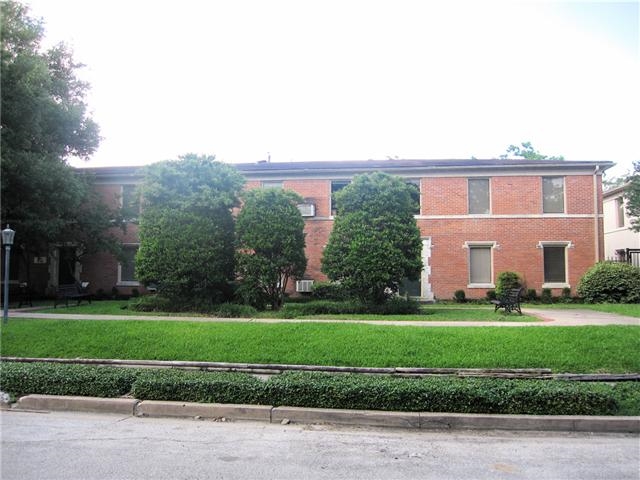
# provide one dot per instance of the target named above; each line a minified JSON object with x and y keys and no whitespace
{"x":563,"y":349}
{"x":628,"y":309}
{"x":429,"y":313}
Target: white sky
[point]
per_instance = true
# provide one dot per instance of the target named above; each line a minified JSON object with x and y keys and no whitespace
{"x":355,"y":80}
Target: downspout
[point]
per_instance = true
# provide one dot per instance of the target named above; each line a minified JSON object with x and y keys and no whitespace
{"x":596,"y":219}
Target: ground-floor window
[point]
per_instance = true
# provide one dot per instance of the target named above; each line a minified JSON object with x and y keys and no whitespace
{"x":127,"y":268}
{"x":555,"y":264}
{"x":480,"y":264}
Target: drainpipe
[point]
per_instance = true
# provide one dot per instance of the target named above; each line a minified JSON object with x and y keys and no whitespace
{"x":596,"y":219}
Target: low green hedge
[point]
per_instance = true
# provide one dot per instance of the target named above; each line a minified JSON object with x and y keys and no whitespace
{"x":62,"y":379}
{"x":322,"y":390}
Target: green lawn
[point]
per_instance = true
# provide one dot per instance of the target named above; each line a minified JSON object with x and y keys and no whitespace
{"x":628,"y":309}
{"x":429,"y":313}
{"x":562,"y":349}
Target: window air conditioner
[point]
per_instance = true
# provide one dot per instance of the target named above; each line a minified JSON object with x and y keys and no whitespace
{"x":304,"y":286}
{"x":307,"y":209}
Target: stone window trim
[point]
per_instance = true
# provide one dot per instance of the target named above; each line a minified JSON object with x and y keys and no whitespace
{"x":566,"y":244}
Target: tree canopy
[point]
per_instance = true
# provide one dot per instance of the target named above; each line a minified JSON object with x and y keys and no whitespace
{"x":375,"y":242}
{"x":270,"y":242}
{"x":186,"y":228}
{"x":44,"y":123}
{"x":525,"y":150}
{"x":632,"y":194}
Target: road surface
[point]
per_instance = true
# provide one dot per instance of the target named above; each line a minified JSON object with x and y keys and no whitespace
{"x":68,"y":445}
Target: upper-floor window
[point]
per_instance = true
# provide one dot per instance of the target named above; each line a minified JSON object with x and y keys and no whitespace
{"x":479,"y":197}
{"x":336,"y":186}
{"x":552,"y":194}
{"x":130,"y":201}
{"x":620,"y":212}
{"x":272,"y":184}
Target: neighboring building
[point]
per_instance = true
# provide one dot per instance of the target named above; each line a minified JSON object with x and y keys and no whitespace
{"x":477,"y":218}
{"x":620,"y":241}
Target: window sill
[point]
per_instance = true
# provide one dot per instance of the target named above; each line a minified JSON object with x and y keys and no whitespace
{"x":128,"y":284}
{"x":556,"y":285}
{"x":481,"y":285}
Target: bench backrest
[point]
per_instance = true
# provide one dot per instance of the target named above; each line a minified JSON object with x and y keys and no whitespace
{"x":68,"y":289}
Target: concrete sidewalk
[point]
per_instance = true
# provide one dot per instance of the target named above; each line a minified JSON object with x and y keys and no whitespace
{"x":548,"y":317}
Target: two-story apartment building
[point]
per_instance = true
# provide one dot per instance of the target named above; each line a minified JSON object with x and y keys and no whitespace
{"x":620,"y":242}
{"x":540,"y":218}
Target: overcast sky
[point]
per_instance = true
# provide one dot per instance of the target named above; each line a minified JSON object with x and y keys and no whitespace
{"x":355,"y":80}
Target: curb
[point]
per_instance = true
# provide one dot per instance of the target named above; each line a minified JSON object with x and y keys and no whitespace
{"x":364,"y":418}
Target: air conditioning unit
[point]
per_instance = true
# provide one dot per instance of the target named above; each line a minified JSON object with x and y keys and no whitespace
{"x":307,"y":209}
{"x":304,"y":286}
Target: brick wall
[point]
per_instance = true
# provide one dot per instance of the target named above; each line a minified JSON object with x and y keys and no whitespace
{"x":516,"y":225}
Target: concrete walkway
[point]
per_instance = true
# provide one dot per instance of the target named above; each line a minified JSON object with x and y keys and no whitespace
{"x":548,"y":317}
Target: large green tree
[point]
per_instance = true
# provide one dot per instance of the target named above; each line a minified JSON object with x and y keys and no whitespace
{"x":44,"y":123}
{"x":187,"y":229}
{"x":270,"y":236}
{"x":632,"y":194}
{"x":375,"y":242}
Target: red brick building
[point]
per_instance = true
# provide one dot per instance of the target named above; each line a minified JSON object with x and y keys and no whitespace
{"x":477,"y":218}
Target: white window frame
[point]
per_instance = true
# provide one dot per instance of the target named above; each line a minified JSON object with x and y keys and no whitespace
{"x":567,"y":244}
{"x":127,"y":283}
{"x":469,"y":180}
{"x":492,"y":245}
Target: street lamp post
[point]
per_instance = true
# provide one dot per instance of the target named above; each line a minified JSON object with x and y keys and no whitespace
{"x":7,"y":241}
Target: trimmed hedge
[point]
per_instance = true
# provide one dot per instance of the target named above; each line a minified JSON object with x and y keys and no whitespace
{"x":197,"y":386}
{"x":393,"y":306}
{"x":62,"y":379}
{"x":610,"y":282}
{"x":322,"y":390}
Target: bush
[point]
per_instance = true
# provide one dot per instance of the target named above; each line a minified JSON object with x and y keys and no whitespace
{"x":566,"y":295}
{"x":152,"y":303}
{"x":61,"y":379}
{"x":205,"y":387}
{"x":233,"y":310}
{"x":322,"y":390}
{"x":545,"y":296}
{"x":610,"y":282}
{"x":329,"y":291}
{"x":459,"y":296}
{"x":491,"y":295}
{"x":393,"y":306}
{"x":532,"y":295}
{"x":507,"y":281}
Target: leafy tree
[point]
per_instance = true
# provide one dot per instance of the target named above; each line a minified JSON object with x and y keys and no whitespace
{"x":526,"y":151}
{"x":632,"y":194}
{"x":270,"y":241}
{"x":375,"y":242}
{"x":44,"y":123}
{"x":187,"y":230}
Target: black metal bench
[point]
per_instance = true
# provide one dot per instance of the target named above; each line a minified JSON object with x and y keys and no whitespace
{"x":510,"y":301}
{"x":72,"y":291}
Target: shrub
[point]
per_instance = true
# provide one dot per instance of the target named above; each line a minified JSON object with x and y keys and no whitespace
{"x":206,"y":387}
{"x":610,"y":282}
{"x":545,"y":296}
{"x":152,"y":303}
{"x":61,"y":379}
{"x":329,"y":291}
{"x":566,"y":295}
{"x":507,"y":281}
{"x":532,"y":295}
{"x":491,"y":295}
{"x":233,"y":310}
{"x":322,"y":390}
{"x":393,"y":306}
{"x":459,"y":296}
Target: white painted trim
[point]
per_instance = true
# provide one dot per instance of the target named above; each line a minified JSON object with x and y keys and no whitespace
{"x":497,"y":217}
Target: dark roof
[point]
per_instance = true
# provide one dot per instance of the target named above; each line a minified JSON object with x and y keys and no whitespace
{"x":338,"y":168}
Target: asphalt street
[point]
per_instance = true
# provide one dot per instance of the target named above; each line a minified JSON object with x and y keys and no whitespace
{"x":70,"y":445}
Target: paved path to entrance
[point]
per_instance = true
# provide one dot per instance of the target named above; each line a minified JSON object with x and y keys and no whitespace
{"x":548,"y":317}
